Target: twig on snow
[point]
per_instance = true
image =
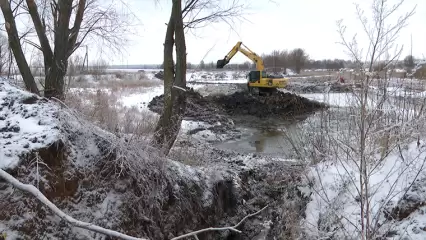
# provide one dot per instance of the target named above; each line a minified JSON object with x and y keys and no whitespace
{"x":35,"y":192}
{"x":232,"y":228}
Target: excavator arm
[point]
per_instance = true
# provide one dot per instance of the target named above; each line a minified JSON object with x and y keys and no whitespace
{"x":240,"y":47}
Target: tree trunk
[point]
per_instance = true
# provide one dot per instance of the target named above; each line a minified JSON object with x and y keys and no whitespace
{"x":54,"y":82}
{"x":174,"y":98}
{"x":15,"y":45}
{"x":163,"y":126}
{"x":178,"y":94}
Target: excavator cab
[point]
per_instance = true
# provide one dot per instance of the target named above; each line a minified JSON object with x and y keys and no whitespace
{"x":254,"y":76}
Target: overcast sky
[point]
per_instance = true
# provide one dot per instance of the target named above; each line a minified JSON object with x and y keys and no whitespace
{"x":274,"y":25}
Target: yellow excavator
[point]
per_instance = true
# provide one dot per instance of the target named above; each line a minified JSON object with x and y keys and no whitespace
{"x":258,"y":81}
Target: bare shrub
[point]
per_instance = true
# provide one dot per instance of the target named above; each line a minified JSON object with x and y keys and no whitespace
{"x":189,"y":155}
{"x":105,"y":111}
{"x":135,"y":80}
{"x":119,"y":75}
{"x":138,"y":122}
{"x":420,"y":72}
{"x":98,"y":68}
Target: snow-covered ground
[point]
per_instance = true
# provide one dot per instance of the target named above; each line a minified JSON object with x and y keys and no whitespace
{"x":333,"y":99}
{"x":397,"y":182}
{"x":402,"y":92}
{"x":26,"y":123}
{"x":349,"y":99}
{"x":335,"y":199}
{"x":142,"y":100}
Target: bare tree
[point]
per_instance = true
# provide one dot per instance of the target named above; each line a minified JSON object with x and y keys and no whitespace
{"x":61,"y":27}
{"x":298,"y":59}
{"x":194,"y":14}
{"x":277,"y":60}
{"x":202,"y":65}
{"x":375,"y":126}
{"x":409,"y":62}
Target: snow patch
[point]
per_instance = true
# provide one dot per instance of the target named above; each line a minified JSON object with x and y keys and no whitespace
{"x":142,"y":100}
{"x":332,"y":99}
{"x":290,"y":72}
{"x":9,"y":234}
{"x":28,"y":123}
{"x":217,"y":77}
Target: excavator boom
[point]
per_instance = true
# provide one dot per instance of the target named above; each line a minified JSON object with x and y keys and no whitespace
{"x":240,"y":47}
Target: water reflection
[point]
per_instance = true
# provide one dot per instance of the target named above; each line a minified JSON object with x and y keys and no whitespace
{"x":259,"y":144}
{"x":265,"y":134}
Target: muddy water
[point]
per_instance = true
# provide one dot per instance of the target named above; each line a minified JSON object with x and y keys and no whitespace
{"x":280,"y":137}
{"x":275,"y":137}
{"x":268,"y":141}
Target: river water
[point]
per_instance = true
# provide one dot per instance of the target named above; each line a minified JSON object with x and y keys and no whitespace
{"x":282,"y":137}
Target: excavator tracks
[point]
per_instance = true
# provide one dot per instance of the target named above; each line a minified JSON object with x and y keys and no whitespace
{"x":256,"y":91}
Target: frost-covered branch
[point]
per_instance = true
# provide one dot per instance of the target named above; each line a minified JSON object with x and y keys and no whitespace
{"x":232,"y":228}
{"x":201,"y":13}
{"x":80,"y":224}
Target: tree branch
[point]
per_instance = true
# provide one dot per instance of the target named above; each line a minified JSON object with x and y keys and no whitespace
{"x":77,"y":24}
{"x":203,"y":12}
{"x":39,"y":27}
{"x":232,"y":228}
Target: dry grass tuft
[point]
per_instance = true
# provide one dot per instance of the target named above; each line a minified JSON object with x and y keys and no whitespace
{"x":104,"y":109}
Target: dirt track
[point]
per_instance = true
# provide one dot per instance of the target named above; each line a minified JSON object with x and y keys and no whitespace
{"x":223,"y":108}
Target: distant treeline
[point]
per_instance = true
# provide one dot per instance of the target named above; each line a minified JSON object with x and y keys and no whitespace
{"x":278,"y":61}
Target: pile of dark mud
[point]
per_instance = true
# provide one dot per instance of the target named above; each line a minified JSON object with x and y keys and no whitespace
{"x":159,"y":75}
{"x":213,"y":109}
{"x":279,"y":104}
{"x":198,"y":108}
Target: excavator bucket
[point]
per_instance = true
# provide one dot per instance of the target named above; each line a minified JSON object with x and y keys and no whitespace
{"x":221,"y":63}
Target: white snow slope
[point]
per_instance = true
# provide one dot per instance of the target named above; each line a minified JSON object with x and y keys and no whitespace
{"x":397,"y":196}
{"x":24,"y":126}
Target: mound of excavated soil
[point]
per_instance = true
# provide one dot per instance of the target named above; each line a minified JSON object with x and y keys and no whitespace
{"x":213,"y":109}
{"x":198,"y":108}
{"x":283,"y":104}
